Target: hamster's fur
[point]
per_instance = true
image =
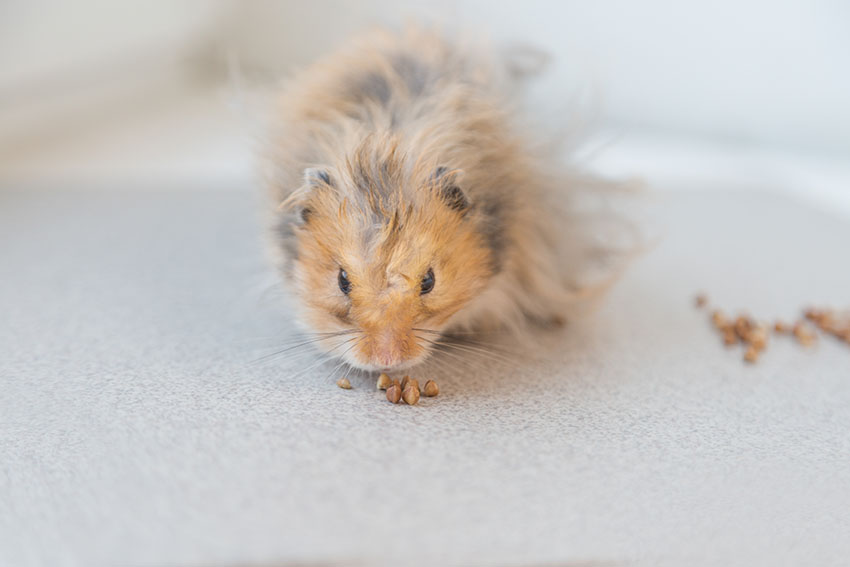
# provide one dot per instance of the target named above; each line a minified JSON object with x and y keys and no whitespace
{"x":409,"y":204}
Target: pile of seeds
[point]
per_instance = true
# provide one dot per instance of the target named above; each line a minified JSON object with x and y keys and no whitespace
{"x":754,"y":335}
{"x":407,"y":390}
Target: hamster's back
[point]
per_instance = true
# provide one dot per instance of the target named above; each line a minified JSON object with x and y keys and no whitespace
{"x":428,"y":97}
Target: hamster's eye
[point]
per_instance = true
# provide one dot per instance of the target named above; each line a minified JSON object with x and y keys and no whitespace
{"x":344,"y":284}
{"x":427,"y":282}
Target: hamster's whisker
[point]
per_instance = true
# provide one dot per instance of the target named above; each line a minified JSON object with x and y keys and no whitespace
{"x":473,"y":346}
{"x":441,"y":365}
{"x":457,"y":358}
{"x":292,"y":337}
{"x":346,"y":351}
{"x":454,"y":359}
{"x":324,"y":358}
{"x":302,"y":344}
{"x":490,"y":348}
{"x":332,"y":333}
{"x":449,"y":333}
{"x":455,"y":351}
{"x":289,"y":344}
{"x":317,"y":336}
{"x":340,"y":369}
{"x":479,"y":351}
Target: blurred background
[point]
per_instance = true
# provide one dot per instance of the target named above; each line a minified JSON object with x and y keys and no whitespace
{"x":752,"y":93}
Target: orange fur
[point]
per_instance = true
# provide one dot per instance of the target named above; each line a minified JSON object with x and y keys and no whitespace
{"x":379,"y":119}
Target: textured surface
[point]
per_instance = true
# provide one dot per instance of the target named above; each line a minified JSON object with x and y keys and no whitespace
{"x":134,"y":428}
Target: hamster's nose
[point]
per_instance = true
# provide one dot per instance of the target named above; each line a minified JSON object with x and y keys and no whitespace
{"x":388,"y":349}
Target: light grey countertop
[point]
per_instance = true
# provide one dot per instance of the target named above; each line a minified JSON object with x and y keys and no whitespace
{"x":135,"y":428}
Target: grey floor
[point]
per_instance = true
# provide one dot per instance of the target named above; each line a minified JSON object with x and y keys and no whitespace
{"x":135,"y":427}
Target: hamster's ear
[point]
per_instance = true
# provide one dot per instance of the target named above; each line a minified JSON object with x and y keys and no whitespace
{"x":315,"y":177}
{"x":446,"y":182}
{"x":298,"y":201}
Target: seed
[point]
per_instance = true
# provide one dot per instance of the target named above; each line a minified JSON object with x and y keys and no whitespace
{"x":752,"y":354}
{"x":344,"y":383}
{"x":394,"y":393}
{"x":719,"y":319}
{"x":804,"y":336}
{"x":742,"y":326}
{"x":411,"y":395}
{"x":827,"y":325}
{"x":384,"y":382}
{"x":758,"y":337}
{"x":404,"y":382}
{"x":755,"y":336}
{"x":431,"y":389}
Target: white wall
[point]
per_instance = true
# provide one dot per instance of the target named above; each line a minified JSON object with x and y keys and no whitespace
{"x":767,"y":72}
{"x":42,"y":40}
{"x":773,"y":72}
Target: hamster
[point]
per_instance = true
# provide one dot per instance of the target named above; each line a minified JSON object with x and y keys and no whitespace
{"x":408,"y":205}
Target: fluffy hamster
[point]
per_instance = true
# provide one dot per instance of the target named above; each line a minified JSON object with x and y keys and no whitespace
{"x":409,"y":205}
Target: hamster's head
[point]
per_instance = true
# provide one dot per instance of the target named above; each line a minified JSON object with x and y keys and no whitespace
{"x":381,"y":264}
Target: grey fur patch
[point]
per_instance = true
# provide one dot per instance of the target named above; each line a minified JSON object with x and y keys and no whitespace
{"x":376,"y":179}
{"x":454,"y":198}
{"x":304,"y":214}
{"x":412,"y":71}
{"x":492,"y":226}
{"x":440,"y":171}
{"x":315,"y":176}
{"x":450,"y":193}
{"x":373,"y":86}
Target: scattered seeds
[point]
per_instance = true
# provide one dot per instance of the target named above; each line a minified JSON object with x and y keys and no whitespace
{"x":431,"y":389}
{"x":742,"y":326}
{"x":408,"y":389}
{"x":411,"y":394}
{"x":755,"y":335}
{"x":804,"y":336}
{"x":384,"y":382}
{"x":394,"y":393}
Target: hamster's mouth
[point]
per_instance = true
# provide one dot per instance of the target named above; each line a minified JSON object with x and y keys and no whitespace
{"x":403,"y":365}
{"x":373,"y":360}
